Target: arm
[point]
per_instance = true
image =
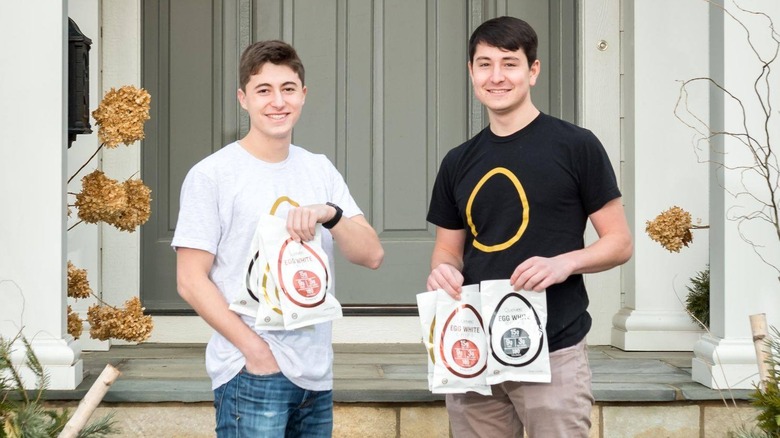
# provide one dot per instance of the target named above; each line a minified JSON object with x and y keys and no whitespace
{"x":613,"y":248}
{"x":447,"y":261}
{"x":197,"y":289}
{"x":356,"y":238}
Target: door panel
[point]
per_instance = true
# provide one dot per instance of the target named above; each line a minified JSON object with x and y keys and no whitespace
{"x":388,"y":96}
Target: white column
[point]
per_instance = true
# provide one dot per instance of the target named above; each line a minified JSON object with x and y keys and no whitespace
{"x":33,"y":122}
{"x":84,"y":239}
{"x":661,"y":169}
{"x":741,"y":283}
{"x":599,"y":111}
{"x":121,"y":58}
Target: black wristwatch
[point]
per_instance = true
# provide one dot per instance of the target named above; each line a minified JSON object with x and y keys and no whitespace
{"x":332,"y":223}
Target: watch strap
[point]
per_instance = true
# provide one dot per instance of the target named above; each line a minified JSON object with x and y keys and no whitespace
{"x":332,"y":223}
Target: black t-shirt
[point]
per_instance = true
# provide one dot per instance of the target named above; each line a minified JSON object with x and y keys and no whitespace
{"x":524,"y":195}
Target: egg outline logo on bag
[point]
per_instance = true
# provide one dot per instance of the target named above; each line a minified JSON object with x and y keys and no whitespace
{"x":252,"y":266}
{"x":321,"y":288}
{"x":444,"y":360}
{"x":538,"y":326}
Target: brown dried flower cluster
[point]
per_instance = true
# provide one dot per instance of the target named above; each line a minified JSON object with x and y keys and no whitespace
{"x":671,"y":228}
{"x":121,"y":115}
{"x":129,"y":324}
{"x":124,"y":205}
{"x":75,"y":324}
{"x":78,"y":285}
{"x":138,"y":206}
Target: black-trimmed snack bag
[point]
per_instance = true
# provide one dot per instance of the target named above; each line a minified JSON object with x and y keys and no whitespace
{"x":460,"y":344}
{"x":302,"y":274}
{"x":246,"y":300}
{"x":269,"y":309}
{"x":517,"y":340}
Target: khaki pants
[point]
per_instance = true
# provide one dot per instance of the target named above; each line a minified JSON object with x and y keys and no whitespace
{"x":560,"y":408}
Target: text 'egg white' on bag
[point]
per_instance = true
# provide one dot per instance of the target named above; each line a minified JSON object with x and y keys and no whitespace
{"x":460,"y":344}
{"x":517,"y":341}
{"x":302,"y":274}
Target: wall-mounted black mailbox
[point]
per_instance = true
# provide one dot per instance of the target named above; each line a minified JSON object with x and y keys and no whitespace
{"x":78,"y":82}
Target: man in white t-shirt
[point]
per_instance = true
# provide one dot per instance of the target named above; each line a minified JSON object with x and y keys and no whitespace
{"x":266,"y":383}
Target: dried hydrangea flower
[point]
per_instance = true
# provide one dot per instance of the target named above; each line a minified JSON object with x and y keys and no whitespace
{"x":129,"y":324}
{"x":75,"y":324}
{"x":137,"y":206}
{"x":121,"y":115}
{"x":78,"y":285}
{"x":671,"y":228}
{"x":101,"y":198}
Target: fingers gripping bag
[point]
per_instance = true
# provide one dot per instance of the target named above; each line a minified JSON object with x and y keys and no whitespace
{"x":515,"y":322}
{"x":460,"y":344}
{"x":302,"y":274}
{"x":426,"y":307}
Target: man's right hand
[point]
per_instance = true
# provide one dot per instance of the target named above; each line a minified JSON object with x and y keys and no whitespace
{"x":261,"y":360}
{"x":447,"y":277}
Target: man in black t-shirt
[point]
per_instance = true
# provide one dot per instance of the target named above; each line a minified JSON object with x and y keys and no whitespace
{"x":512,"y":202}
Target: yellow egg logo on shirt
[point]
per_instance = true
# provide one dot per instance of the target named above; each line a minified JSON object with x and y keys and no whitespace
{"x":523,"y":200}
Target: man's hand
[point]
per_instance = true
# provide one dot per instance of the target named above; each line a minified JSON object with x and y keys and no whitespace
{"x":262,"y":360}
{"x":302,"y":221}
{"x":447,"y":277}
{"x":539,"y":273}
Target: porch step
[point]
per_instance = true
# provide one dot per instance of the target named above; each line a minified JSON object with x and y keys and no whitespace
{"x":381,"y":391}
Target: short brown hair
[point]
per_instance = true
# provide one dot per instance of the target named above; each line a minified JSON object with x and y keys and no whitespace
{"x":273,"y":51}
{"x":505,"y":33}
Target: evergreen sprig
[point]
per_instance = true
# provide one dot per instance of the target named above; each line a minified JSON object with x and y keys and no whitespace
{"x":22,"y":413}
{"x":697,"y":303}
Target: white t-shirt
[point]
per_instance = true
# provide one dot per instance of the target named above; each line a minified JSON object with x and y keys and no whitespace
{"x":221,"y":200}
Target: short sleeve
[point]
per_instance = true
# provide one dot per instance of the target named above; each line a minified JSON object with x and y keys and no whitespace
{"x":198,"y":225}
{"x":443,"y":209}
{"x":598,"y":184}
{"x":339,"y":192}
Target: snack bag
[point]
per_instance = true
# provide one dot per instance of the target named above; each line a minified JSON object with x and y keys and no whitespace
{"x":302,"y":274}
{"x":426,"y":307}
{"x":515,"y":323}
{"x":460,"y":344}
{"x":245,"y":302}
{"x":269,"y":310}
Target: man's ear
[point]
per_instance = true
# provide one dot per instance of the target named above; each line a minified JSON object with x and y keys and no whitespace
{"x":304,"y":90}
{"x":536,"y":68}
{"x":241,"y":96}
{"x":469,"y":67}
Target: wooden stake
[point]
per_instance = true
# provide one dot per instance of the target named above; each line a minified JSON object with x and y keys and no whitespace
{"x":758,"y":327}
{"x":90,"y":402}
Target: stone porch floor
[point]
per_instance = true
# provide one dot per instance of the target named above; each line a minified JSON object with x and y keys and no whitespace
{"x":371,"y":373}
{"x":381,"y":391}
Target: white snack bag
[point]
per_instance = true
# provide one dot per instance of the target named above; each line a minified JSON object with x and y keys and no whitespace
{"x":515,"y":322}
{"x":269,"y":310}
{"x":302,"y":274}
{"x":460,"y":344}
{"x":426,"y":307}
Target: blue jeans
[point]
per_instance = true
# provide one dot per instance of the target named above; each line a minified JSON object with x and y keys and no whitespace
{"x":271,"y":406}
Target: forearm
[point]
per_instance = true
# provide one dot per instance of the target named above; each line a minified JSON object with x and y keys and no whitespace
{"x":206,"y":299}
{"x":606,"y":253}
{"x":441,"y":255}
{"x":358,"y":242}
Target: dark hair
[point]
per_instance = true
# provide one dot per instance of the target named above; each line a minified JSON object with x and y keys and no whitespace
{"x":507,"y":33}
{"x":273,"y":51}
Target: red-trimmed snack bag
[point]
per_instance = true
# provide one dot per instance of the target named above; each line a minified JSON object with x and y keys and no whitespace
{"x":426,"y":307}
{"x":460,"y":344}
{"x":303,"y":277}
{"x":515,"y":323}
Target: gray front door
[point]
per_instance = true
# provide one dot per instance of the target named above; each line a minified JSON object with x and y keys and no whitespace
{"x":388,"y":96}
